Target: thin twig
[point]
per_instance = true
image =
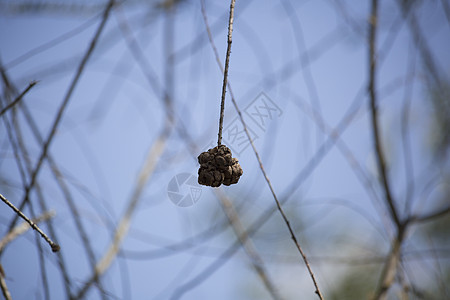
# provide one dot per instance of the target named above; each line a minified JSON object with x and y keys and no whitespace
{"x":22,"y":228}
{"x":55,"y":247}
{"x":261,"y":166}
{"x":306,"y":70}
{"x":18,"y":98}
{"x":346,"y":153}
{"x":63,"y":106}
{"x":225,"y":72}
{"x":420,"y":43}
{"x":446,"y":7}
{"x":52,"y":43}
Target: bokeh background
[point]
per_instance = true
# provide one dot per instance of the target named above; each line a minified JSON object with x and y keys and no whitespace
{"x":117,"y":185}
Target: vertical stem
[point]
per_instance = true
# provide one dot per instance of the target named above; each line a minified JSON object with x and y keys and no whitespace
{"x":225,"y":73}
{"x":381,"y":161}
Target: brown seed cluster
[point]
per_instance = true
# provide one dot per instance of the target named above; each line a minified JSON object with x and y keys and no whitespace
{"x":217,"y":167}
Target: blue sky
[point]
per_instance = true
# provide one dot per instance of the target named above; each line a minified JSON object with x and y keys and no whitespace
{"x":302,"y":55}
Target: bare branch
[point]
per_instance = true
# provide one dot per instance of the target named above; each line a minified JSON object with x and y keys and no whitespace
{"x":55,"y":247}
{"x":52,"y":43}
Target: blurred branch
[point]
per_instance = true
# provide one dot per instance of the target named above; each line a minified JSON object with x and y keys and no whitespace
{"x":55,"y":247}
{"x":210,"y":269}
{"x":348,"y":18}
{"x":56,"y":7}
{"x":144,"y":65}
{"x":446,"y":6}
{"x":18,"y":98}
{"x":63,"y":106}
{"x":3,"y":285}
{"x":124,"y":225}
{"x":431,"y":216}
{"x":249,"y":248}
{"x":153,"y":155}
{"x":405,"y":133}
{"x":420,"y":41}
{"x":52,"y":43}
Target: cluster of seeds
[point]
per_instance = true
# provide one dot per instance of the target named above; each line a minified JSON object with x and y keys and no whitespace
{"x":217,"y":167}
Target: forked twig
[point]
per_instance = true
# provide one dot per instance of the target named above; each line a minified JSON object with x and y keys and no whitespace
{"x":55,"y":247}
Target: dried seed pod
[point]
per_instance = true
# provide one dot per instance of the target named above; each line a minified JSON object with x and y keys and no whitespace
{"x":217,"y":166}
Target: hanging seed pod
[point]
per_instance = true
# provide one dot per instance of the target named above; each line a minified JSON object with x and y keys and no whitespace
{"x":217,"y":166}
